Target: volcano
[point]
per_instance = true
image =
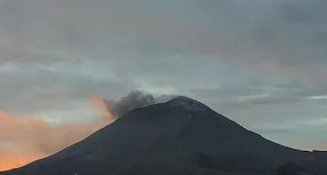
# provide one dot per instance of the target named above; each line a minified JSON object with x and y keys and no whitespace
{"x":178,"y":137}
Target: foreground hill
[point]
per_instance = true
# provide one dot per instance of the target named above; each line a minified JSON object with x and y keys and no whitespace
{"x":179,"y":137}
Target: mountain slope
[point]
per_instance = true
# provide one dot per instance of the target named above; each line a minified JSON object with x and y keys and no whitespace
{"x":181,"y":136}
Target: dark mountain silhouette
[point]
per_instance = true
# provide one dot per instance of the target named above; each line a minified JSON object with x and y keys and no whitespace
{"x":179,"y":137}
{"x":291,"y":169}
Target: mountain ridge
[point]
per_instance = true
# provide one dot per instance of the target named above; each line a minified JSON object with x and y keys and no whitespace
{"x":180,"y":136}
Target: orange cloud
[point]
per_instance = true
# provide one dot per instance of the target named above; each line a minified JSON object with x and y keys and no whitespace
{"x":25,"y":139}
{"x":13,"y":158}
{"x":103,"y":106}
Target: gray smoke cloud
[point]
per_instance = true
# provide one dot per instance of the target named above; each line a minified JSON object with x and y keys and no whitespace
{"x":134,"y":99}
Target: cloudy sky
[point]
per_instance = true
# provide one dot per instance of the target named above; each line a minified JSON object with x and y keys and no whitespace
{"x":261,"y":63}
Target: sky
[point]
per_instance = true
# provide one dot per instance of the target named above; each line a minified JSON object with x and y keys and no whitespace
{"x":261,"y":63}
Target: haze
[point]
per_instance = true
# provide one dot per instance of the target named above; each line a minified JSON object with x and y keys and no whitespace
{"x":262,"y":63}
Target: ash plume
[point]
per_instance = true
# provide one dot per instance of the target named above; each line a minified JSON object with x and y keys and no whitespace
{"x":135,"y":99}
